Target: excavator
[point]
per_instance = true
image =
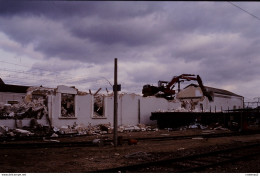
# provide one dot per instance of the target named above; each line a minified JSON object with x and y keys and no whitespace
{"x":165,"y":88}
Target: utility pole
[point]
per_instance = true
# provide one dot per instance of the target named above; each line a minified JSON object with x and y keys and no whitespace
{"x":115,"y":103}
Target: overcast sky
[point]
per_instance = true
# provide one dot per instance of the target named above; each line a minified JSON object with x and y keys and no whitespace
{"x":54,"y":43}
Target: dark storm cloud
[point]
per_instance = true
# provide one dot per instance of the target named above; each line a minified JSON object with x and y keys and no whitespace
{"x":67,"y":9}
{"x":161,"y":39}
{"x":40,"y":24}
{"x":109,"y":34}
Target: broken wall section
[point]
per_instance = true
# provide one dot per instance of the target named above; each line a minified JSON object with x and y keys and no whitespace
{"x":193,"y":100}
{"x":69,"y":106}
{"x":30,"y":111}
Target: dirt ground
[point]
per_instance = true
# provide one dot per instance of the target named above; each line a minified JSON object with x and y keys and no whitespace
{"x":89,"y":159}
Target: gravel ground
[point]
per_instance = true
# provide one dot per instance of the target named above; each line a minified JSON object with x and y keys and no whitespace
{"x":88,"y":159}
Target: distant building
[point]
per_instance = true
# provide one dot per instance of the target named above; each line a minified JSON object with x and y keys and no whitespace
{"x":11,"y":94}
{"x":222,"y":99}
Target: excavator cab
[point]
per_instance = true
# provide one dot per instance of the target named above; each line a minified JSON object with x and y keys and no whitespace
{"x":149,"y":90}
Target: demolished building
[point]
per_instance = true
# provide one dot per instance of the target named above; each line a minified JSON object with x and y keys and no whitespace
{"x":192,"y":99}
{"x":66,"y":108}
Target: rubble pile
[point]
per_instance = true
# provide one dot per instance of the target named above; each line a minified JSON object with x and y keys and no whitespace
{"x":83,"y":130}
{"x":136,"y":128}
{"x":137,"y":155}
{"x":33,"y":106}
{"x":100,"y":129}
{"x":197,"y":125}
{"x":25,"y":131}
{"x":34,"y":109}
{"x":36,"y":129}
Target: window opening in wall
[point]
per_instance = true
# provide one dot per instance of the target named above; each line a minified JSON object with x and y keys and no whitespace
{"x":99,"y":105}
{"x":67,"y":105}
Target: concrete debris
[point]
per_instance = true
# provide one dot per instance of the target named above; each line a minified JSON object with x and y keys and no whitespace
{"x":132,"y":128}
{"x":221,"y":128}
{"x":54,"y":135}
{"x":95,"y":141}
{"x":169,"y":129}
{"x":197,"y":126}
{"x":82,"y":93}
{"x":80,"y":129}
{"x":120,"y":129}
{"x":4,"y":129}
{"x":208,"y":132}
{"x":11,"y":134}
{"x":34,"y":105}
{"x":198,"y":138}
{"x":137,"y":155}
{"x":181,"y":148}
{"x":142,"y":127}
{"x":84,"y":130}
{"x":217,"y":126}
{"x":67,"y":130}
{"x":98,"y":142}
{"x":23,"y":132}
{"x":116,"y":154}
{"x":136,"y":128}
{"x":55,"y":129}
{"x":50,"y":140}
{"x":165,"y":134}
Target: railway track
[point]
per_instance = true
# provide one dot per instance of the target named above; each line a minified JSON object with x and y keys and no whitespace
{"x":192,"y":163}
{"x":49,"y":143}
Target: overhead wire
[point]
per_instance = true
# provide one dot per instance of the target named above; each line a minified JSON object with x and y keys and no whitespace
{"x":59,"y":76}
{"x":244,"y":10}
{"x":28,"y":80}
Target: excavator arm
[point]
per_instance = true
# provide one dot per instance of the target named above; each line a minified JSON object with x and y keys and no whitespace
{"x":167,"y":87}
{"x":204,"y":91}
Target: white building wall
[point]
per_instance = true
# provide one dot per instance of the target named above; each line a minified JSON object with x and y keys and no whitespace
{"x":9,"y":96}
{"x":82,"y":110}
{"x":127,"y":110}
{"x":152,"y":104}
{"x":227,"y":103}
{"x":8,"y":122}
{"x":220,"y":102}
